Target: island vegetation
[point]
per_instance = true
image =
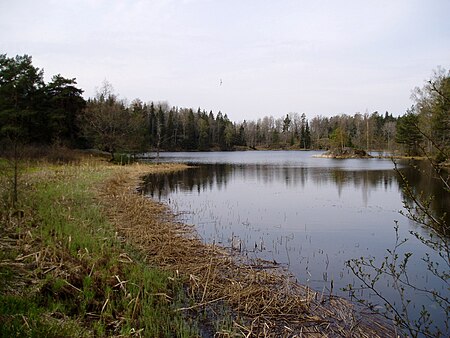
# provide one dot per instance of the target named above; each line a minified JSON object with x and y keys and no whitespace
{"x":80,"y":255}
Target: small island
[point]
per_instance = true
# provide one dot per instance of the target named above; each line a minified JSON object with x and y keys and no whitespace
{"x":346,"y":152}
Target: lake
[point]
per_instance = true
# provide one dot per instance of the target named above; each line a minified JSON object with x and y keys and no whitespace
{"x":306,"y":213}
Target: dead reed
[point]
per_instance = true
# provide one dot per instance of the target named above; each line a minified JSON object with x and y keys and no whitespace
{"x":265,"y":300}
{"x":64,"y":271}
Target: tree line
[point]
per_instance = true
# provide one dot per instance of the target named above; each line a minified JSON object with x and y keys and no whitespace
{"x":36,"y":112}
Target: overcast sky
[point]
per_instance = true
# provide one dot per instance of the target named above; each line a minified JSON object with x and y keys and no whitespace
{"x":245,"y":58}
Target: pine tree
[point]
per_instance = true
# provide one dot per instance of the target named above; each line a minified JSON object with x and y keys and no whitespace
{"x":307,"y":136}
{"x":21,"y":87}
{"x":408,"y":134}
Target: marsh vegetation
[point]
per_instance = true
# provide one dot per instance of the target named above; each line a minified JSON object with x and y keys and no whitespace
{"x":308,"y":214}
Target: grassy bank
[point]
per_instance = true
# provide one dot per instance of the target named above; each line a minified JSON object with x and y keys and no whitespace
{"x":65,"y":272}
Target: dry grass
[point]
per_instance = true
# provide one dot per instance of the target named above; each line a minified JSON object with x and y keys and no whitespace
{"x":63,"y":271}
{"x":266,"y":301}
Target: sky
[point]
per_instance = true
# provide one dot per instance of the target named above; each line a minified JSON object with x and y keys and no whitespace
{"x":245,"y":58}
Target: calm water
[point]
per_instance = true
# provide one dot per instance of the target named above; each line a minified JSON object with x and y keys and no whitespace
{"x":308,"y":214}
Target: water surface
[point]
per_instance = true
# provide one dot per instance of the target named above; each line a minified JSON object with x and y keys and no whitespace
{"x":309,"y":214}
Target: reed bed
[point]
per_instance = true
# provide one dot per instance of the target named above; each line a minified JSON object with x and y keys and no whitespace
{"x":265,"y":300}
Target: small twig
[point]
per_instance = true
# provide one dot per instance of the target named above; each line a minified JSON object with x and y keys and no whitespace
{"x":244,"y":328}
{"x":49,"y":269}
{"x":136,"y":303}
{"x":128,"y":259}
{"x":21,"y":258}
{"x":73,"y":286}
{"x":104,"y":305}
{"x":200,"y":304}
{"x":121,"y":283}
{"x":161,"y":294}
{"x":92,"y":269}
{"x":207,"y":280}
{"x":26,"y":322}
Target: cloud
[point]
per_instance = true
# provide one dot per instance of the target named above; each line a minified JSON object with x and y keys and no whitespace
{"x":308,"y":56}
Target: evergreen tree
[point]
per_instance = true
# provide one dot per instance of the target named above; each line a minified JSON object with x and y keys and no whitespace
{"x":229,"y":136}
{"x":220,"y":125}
{"x":65,"y":105}
{"x":160,"y":128}
{"x":241,"y":135}
{"x":408,"y":134}
{"x":286,"y":127}
{"x":212,"y":128}
{"x":21,"y":87}
{"x":203,"y":133}
{"x":152,"y":125}
{"x":307,"y":136}
{"x":170,"y":131}
{"x":302,"y":137}
{"x":35,"y":112}
{"x":190,"y":140}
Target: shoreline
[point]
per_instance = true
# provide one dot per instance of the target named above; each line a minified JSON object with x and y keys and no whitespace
{"x":93,"y":256}
{"x":323,"y":155}
{"x":250,"y":288}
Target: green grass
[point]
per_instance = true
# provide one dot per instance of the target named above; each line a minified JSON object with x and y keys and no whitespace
{"x":23,"y":317}
{"x":81,"y":286}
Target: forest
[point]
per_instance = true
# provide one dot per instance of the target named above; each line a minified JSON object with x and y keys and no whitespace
{"x":39,"y":113}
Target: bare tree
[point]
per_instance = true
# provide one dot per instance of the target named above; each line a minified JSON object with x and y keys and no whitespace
{"x":389,"y":132}
{"x":107,"y":123}
{"x":432,"y":105}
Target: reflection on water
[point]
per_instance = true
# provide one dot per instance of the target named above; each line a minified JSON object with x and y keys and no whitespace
{"x":309,"y":214}
{"x":423,"y":180}
{"x":211,"y":176}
